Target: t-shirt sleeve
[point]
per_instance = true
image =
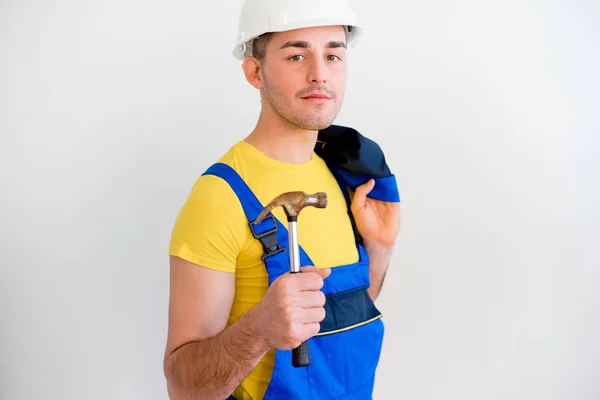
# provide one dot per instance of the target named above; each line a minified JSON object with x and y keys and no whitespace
{"x":209,"y":230}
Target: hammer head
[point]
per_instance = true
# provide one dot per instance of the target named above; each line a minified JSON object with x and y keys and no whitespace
{"x":292,"y":203}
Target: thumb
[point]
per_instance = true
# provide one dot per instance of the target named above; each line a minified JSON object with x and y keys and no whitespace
{"x":360,"y":195}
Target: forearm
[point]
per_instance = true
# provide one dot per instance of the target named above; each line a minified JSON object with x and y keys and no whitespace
{"x":212,"y":368}
{"x":379,"y":260}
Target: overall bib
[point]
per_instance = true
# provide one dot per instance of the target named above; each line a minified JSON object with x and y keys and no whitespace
{"x":345,"y":352}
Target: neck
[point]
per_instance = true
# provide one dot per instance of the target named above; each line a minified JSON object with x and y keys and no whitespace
{"x":281,"y":140}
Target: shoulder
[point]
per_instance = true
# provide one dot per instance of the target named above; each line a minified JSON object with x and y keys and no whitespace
{"x":212,"y":189}
{"x":211,"y":228}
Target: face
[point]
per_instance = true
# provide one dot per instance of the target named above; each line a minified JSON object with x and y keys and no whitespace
{"x":303,"y":76}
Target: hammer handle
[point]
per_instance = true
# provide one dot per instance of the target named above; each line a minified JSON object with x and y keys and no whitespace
{"x":301,"y":355}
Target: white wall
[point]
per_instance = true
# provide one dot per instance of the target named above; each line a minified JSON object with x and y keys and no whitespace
{"x":488,"y":113}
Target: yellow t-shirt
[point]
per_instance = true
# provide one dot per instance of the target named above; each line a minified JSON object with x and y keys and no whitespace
{"x":212,"y":231}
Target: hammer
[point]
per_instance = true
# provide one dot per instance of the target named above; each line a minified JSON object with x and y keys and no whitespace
{"x":293,"y":203}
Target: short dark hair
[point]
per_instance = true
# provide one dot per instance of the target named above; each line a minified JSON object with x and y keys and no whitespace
{"x":259,"y":45}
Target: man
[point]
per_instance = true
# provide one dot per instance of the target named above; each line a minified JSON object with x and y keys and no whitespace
{"x":235,"y":310}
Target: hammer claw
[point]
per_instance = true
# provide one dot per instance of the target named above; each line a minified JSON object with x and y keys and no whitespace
{"x":293,"y":202}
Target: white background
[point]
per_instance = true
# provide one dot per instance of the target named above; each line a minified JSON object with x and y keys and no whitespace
{"x":487,"y":112}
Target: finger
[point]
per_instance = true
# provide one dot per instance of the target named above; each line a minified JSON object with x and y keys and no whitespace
{"x":366,"y":187}
{"x":314,"y":315}
{"x":312,"y":299}
{"x":309,"y":281}
{"x":360,"y":195}
{"x":311,"y":329}
{"x":324,"y":272}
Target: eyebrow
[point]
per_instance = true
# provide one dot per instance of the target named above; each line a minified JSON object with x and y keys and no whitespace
{"x":306,"y":45}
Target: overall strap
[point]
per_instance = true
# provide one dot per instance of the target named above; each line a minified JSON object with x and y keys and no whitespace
{"x":250,"y":203}
{"x":266,"y":231}
{"x":336,"y":174}
{"x":270,"y":232}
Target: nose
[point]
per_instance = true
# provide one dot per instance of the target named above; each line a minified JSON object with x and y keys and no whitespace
{"x":317,"y":73}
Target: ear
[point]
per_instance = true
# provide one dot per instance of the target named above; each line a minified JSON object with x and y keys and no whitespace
{"x":252,"y":67}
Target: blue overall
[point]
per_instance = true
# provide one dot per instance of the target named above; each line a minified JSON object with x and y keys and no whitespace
{"x":345,"y":353}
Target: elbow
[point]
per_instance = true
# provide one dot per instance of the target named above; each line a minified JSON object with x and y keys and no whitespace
{"x":169,"y":365}
{"x":179,"y":387}
{"x":173,"y":389}
{"x":185,"y":377}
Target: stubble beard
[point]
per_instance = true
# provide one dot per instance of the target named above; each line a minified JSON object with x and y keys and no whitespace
{"x":316,"y":121}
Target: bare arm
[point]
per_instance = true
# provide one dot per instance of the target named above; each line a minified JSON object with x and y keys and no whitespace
{"x":203,"y":360}
{"x":379,"y":260}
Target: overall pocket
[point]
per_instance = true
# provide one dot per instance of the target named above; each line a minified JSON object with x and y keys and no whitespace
{"x":345,"y":360}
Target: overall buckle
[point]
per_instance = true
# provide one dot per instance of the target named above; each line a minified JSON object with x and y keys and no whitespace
{"x":268,"y":238}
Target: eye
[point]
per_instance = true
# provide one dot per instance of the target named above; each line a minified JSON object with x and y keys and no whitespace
{"x":333,"y":58}
{"x":296,"y":58}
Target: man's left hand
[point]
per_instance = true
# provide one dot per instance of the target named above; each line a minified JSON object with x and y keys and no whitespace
{"x":378,"y":222}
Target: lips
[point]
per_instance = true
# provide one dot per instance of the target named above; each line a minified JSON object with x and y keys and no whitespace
{"x":317,"y":96}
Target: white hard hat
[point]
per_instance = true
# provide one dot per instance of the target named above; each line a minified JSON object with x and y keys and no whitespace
{"x":261,"y":16}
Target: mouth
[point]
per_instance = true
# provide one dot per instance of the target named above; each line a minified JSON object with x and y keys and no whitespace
{"x":317,"y":96}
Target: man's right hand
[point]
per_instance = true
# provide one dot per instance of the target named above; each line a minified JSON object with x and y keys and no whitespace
{"x":291,"y":310}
